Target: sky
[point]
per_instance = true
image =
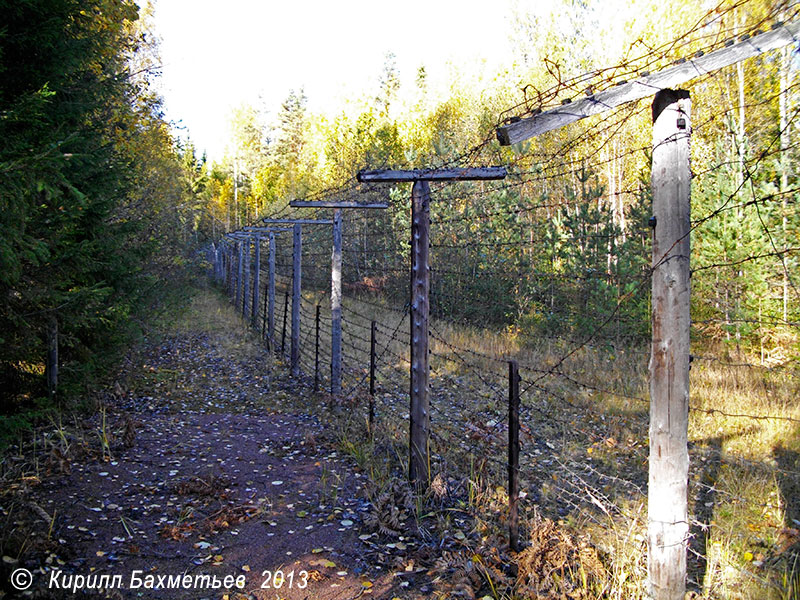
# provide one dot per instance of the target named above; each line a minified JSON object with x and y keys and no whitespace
{"x":217,"y":55}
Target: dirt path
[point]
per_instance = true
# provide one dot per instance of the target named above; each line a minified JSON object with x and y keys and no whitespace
{"x":208,"y":473}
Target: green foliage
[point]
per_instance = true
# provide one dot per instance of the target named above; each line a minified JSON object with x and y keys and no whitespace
{"x":90,"y":182}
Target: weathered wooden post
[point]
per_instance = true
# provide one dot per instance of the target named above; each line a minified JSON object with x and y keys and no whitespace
{"x":297,"y":248}
{"x":419,"y":462}
{"x":283,"y":331}
{"x":294,"y":355}
{"x":419,"y":426}
{"x":239,"y":272}
{"x":373,"y":335}
{"x":336,"y":279}
{"x":271,"y":293}
{"x":256,"y":281}
{"x":229,"y":278}
{"x":668,"y":523}
{"x":513,"y":454}
{"x":669,"y":359}
{"x":316,"y":350}
{"x":246,"y":280}
{"x":336,"y":305}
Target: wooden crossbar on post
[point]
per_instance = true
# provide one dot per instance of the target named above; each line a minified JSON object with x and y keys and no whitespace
{"x":419,"y":426}
{"x":669,"y":364}
{"x":647,"y":85}
{"x":335,"y":204}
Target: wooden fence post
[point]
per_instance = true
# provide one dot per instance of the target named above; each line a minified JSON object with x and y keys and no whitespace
{"x":297,"y":249}
{"x":230,"y":277}
{"x":373,"y":334}
{"x":264,"y":320}
{"x":419,"y":457}
{"x":668,"y":525}
{"x":239,"y":273}
{"x":316,"y":350}
{"x":513,"y":454}
{"x":283,"y":331}
{"x":256,"y":282}
{"x":271,"y":293}
{"x":336,"y":305}
{"x":246,"y":281}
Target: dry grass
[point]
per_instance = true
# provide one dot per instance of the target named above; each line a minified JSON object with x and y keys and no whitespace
{"x":584,"y":437}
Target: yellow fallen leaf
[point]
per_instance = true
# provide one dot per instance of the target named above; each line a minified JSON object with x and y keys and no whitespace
{"x":246,"y":568}
{"x":366,"y":584}
{"x":323,"y":562}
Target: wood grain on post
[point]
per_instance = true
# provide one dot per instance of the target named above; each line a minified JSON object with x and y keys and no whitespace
{"x":419,"y":459}
{"x":336,"y":305}
{"x":297,"y":250}
{"x":668,"y":526}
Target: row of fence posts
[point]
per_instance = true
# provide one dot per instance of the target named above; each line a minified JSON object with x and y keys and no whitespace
{"x":232,"y":251}
{"x":238,"y":290}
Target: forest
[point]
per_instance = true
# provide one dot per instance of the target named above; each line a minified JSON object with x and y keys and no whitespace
{"x":111,"y":218}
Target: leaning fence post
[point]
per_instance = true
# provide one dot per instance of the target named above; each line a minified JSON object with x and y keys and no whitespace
{"x":316,"y":350}
{"x":297,"y":247}
{"x":667,"y":505}
{"x":372,"y":359}
{"x":513,"y":454}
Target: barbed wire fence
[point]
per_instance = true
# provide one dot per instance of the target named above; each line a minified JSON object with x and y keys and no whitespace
{"x":551,"y":268}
